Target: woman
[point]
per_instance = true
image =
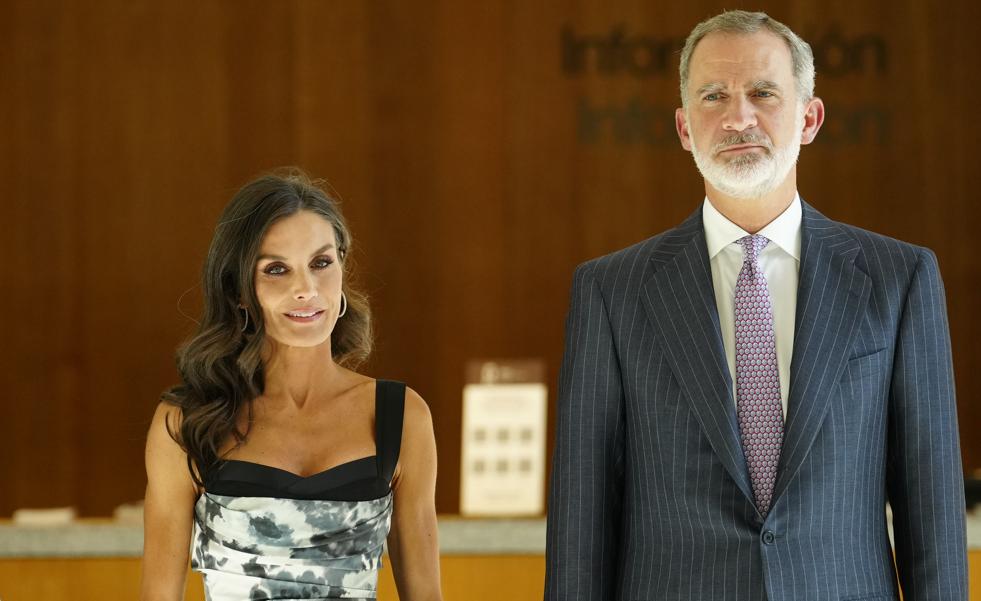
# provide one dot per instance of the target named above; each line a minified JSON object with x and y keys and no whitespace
{"x":286,"y":467}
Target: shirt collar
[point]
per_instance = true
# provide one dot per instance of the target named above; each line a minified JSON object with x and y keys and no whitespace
{"x":784,"y":231}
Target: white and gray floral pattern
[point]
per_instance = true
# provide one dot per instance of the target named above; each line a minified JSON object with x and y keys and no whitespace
{"x":250,"y":548}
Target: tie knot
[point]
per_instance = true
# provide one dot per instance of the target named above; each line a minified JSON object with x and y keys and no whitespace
{"x":752,"y":246}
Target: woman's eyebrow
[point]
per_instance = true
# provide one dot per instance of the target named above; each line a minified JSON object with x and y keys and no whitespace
{"x":320,"y":250}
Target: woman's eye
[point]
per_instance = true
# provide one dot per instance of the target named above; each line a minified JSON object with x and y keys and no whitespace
{"x":322,"y":263}
{"x":274,"y":270}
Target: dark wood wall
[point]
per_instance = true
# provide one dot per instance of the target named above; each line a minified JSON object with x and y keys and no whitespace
{"x":482,"y":150}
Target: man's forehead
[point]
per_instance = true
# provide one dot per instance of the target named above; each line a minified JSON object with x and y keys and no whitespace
{"x":741,"y":56}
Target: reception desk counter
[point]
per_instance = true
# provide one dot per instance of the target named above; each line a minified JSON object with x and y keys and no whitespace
{"x":100,"y":560}
{"x":481,"y":560}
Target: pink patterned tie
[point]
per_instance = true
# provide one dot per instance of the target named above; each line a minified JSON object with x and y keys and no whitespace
{"x":758,"y":402}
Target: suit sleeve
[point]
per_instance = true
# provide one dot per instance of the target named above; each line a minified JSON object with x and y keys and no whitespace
{"x":586,"y":492}
{"x":925,"y":477}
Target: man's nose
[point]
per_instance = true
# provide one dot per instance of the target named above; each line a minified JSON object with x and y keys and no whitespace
{"x":740,"y":115}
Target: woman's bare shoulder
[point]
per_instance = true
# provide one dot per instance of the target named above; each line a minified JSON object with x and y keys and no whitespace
{"x":166,"y":460}
{"x":417,"y":413}
{"x":417,"y":424}
{"x":167,"y":419}
{"x":418,"y":449}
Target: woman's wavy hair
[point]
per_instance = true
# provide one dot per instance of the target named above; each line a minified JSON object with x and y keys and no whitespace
{"x":220,"y":365}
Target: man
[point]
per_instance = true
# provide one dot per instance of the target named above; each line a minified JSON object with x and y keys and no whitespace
{"x":742,"y":395}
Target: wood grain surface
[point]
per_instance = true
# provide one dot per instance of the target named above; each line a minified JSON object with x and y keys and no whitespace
{"x":481,"y":150}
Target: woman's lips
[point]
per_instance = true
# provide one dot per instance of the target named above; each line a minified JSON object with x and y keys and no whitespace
{"x":301,"y":319}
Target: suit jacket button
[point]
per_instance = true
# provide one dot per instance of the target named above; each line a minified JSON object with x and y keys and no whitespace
{"x":768,"y":537}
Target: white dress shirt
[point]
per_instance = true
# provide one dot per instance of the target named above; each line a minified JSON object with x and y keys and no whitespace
{"x":780,"y":261}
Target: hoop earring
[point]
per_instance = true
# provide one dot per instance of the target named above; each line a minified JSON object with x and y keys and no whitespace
{"x":246,"y":311}
{"x":343,"y":305}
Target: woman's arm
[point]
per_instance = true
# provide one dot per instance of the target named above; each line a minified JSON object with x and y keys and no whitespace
{"x":168,"y":511}
{"x":412,"y":542}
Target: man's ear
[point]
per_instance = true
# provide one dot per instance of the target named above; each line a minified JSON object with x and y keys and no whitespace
{"x":813,"y":119}
{"x":681,"y":125}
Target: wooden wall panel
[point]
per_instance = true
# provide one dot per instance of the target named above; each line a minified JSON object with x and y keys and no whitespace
{"x":481,"y":151}
{"x":41,"y":371}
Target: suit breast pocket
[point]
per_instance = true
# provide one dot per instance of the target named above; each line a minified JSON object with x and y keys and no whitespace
{"x":866,"y":366}
{"x":866,"y":379}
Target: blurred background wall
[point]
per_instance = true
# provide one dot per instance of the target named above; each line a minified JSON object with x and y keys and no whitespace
{"x":481,"y":149}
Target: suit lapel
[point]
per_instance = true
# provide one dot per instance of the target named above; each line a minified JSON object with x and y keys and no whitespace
{"x":832,"y":294}
{"x":680,"y":303}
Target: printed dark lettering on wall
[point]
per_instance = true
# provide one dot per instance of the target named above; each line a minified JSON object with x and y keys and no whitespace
{"x":639,"y":121}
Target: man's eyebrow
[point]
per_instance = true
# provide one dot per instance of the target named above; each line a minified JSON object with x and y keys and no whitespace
{"x":320,"y":250}
{"x":710,"y":87}
{"x":760,"y":84}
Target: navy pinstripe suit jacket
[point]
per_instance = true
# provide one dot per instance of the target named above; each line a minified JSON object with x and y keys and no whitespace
{"x":650,"y":497}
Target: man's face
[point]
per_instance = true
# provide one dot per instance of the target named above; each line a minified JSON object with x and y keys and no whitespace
{"x":744,"y":123}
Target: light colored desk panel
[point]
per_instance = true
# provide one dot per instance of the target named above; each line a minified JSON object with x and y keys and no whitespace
{"x":482,"y":578}
{"x":481,"y":560}
{"x":84,"y":579}
{"x":465,"y":578}
{"x":974,"y":569}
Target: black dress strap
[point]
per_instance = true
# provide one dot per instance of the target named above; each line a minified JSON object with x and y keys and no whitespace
{"x":389,"y":410}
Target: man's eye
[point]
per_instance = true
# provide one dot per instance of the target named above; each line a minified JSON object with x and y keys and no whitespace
{"x":712,"y":97}
{"x":764,"y":93}
{"x":322,"y":263}
{"x":274,"y":270}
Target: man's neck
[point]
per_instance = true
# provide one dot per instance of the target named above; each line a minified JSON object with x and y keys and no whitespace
{"x":754,"y":214}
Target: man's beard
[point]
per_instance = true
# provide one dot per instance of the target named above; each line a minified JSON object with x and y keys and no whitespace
{"x":750,"y":175}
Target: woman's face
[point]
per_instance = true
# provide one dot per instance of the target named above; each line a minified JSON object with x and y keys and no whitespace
{"x":298,"y":280}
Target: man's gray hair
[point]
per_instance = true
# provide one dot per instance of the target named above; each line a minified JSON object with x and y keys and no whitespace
{"x":743,"y":22}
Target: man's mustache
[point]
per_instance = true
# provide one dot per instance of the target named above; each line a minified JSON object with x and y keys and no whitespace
{"x":740,"y":139}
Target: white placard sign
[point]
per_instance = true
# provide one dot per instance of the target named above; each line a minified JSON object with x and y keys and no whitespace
{"x":503,"y":466}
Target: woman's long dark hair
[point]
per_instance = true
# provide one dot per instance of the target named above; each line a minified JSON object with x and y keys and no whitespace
{"x":220,"y":365}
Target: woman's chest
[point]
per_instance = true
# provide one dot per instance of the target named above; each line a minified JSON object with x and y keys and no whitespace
{"x":305,"y":444}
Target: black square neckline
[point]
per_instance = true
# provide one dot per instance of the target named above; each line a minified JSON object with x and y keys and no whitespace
{"x":360,"y":479}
